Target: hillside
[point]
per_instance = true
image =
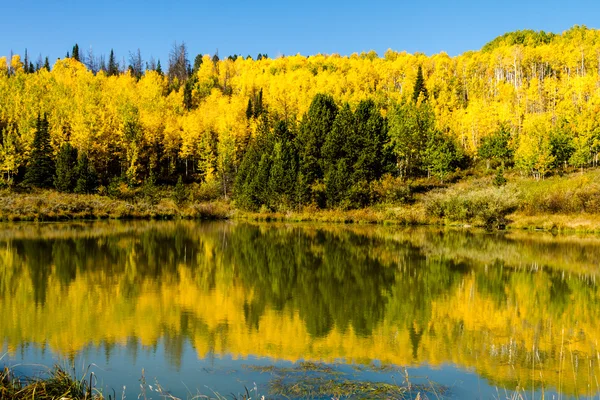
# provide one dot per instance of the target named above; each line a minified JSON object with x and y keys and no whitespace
{"x":528,"y":100}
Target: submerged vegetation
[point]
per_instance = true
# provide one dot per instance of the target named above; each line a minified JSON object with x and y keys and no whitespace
{"x":306,"y":380}
{"x":323,"y":132}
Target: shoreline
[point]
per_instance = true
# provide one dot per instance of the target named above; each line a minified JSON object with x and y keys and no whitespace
{"x":52,"y":206}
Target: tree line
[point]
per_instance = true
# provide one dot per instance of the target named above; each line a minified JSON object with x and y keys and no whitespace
{"x":339,"y":131}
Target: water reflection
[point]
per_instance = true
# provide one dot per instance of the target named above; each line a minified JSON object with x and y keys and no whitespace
{"x":518,"y":308}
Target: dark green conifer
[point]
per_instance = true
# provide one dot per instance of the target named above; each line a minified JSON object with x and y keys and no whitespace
{"x":66,"y":169}
{"x":249,"y":111}
{"x":499,"y":179}
{"x":87,"y":180}
{"x":180,"y":193}
{"x":75,"y":53}
{"x":258,"y":106}
{"x":420,"y":86}
{"x":315,"y":127}
{"x":113,"y":67}
{"x":197,"y":63}
{"x":40,"y":168}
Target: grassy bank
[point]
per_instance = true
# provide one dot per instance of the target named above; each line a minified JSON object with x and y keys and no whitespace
{"x":49,"y":205}
{"x":559,"y":203}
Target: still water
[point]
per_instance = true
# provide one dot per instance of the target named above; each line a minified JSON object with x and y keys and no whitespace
{"x":218,"y":308}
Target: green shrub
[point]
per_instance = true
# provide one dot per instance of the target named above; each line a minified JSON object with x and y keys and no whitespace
{"x":205,"y":191}
{"x":391,"y":190}
{"x":180,"y":194}
{"x":487,"y":206}
{"x":562,"y":195}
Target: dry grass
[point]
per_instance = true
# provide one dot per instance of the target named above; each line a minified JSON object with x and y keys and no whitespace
{"x":56,"y":384}
{"x":49,"y":205}
{"x":569,"y":203}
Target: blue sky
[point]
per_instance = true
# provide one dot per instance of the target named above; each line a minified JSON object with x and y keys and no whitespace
{"x":307,"y":27}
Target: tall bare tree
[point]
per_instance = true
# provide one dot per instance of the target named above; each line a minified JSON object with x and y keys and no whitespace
{"x":178,"y":62}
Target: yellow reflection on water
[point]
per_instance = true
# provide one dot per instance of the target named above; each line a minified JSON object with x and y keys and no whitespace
{"x":523,"y":310}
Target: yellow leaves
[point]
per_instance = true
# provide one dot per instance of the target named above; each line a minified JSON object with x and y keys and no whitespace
{"x":471,"y":94}
{"x":3,"y":65}
{"x":15,"y":64}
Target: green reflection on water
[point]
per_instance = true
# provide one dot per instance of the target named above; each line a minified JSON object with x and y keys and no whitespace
{"x":520,"y":309}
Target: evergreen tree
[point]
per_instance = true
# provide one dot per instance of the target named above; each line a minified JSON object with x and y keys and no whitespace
{"x":499,"y":179}
{"x":442,"y":155}
{"x":197,"y":63}
{"x":336,"y":157}
{"x":40,"y":168}
{"x":159,"y":68}
{"x":496,"y":147}
{"x":369,"y":156}
{"x":250,"y":185}
{"x":283,"y":171}
{"x":249,"y":111}
{"x":87,"y":180}
{"x":420,"y":88}
{"x":409,"y":129}
{"x":188,"y":100}
{"x":180,"y":193}
{"x":66,"y":169}
{"x":75,"y":54}
{"x":314,"y":129}
{"x":113,"y":67}
{"x":258,"y":104}
{"x":47,"y":64}
{"x":26,"y":63}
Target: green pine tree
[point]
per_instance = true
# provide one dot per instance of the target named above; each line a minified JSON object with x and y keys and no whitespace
{"x":87,"y":180}
{"x":47,"y":64}
{"x":337,"y":144}
{"x":66,"y":169}
{"x":499,"y":179}
{"x":180,"y":193}
{"x":282,"y":178}
{"x":75,"y":54}
{"x":159,"y":68}
{"x":249,"y":111}
{"x":314,"y":129}
{"x":113,"y":67}
{"x":40,"y":168}
{"x":26,"y":63}
{"x":420,"y":86}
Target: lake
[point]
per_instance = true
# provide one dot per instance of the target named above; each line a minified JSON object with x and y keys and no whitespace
{"x":302,"y":310}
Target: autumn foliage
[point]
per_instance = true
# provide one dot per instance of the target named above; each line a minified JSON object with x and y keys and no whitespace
{"x":538,"y":93}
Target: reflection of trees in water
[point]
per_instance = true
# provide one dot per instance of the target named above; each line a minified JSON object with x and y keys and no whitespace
{"x":331,"y":281}
{"x":334,"y":279}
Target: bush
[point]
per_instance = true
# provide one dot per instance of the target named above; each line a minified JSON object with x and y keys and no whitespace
{"x":180,"y":194}
{"x":569,"y":195}
{"x":391,"y":190}
{"x":487,"y":207}
{"x":119,"y":189}
{"x":150,"y":190}
{"x":205,"y":191}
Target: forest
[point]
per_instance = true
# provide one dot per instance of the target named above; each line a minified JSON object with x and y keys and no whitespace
{"x":281,"y":133}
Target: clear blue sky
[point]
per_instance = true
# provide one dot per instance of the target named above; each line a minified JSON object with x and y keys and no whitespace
{"x":51,"y":27}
